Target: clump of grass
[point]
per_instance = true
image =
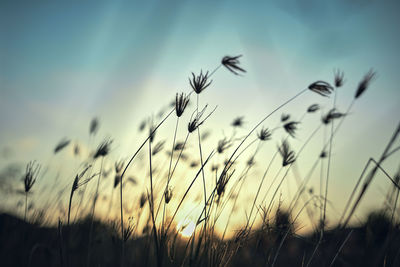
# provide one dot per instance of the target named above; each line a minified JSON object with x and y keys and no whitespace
{"x":31,"y":174}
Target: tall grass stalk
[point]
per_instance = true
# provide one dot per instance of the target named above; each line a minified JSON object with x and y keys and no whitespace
{"x":122,"y":176}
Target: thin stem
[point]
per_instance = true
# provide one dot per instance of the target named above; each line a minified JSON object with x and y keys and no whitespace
{"x":202,"y":170}
{"x":329,"y":164}
{"x":341,"y":247}
{"x":26,"y":205}
{"x":187,"y":190}
{"x":122,"y":176}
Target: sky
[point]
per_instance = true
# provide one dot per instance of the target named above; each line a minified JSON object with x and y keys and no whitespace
{"x":63,"y":63}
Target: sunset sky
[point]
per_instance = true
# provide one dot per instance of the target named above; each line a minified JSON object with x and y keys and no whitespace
{"x":61,"y":64}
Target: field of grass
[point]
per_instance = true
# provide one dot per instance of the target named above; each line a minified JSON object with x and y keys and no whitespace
{"x":180,"y":200}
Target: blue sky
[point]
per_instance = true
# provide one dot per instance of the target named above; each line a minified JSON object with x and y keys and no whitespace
{"x":61,"y":64}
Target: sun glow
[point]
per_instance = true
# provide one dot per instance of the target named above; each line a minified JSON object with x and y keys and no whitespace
{"x":186,"y":227}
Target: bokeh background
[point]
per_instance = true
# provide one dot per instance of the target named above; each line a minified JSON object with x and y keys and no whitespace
{"x":64,"y":63}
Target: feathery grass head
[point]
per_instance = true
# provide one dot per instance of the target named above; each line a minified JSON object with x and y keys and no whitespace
{"x":321,"y":88}
{"x":76,"y":150}
{"x":178,"y":146}
{"x":142,"y":125}
{"x":103,"y":149}
{"x":238,"y":122}
{"x":250,"y":161}
{"x":61,"y":145}
{"x":363,"y":85}
{"x":181,"y":103}
{"x":291,"y":127}
{"x":143,"y":200}
{"x":284,"y":117}
{"x":339,"y":78}
{"x":232,"y":64}
{"x":199,"y":83}
{"x":195,"y":122}
{"x":223,"y":144}
{"x":332,"y":115}
{"x":158,"y":147}
{"x":31,"y":174}
{"x":288,"y":156}
{"x":94,"y":126}
{"x":168,"y":195}
{"x":78,"y":179}
{"x":117,"y":180}
{"x":119,"y":165}
{"x":223,"y":181}
{"x":313,"y":108}
{"x":264,"y":134}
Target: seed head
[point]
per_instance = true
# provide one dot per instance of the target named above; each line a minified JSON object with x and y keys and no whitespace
{"x":238,"y":122}
{"x":61,"y":145}
{"x":117,"y":180}
{"x":168,"y":195}
{"x":181,"y":103}
{"x":223,"y":144}
{"x":194,"y":164}
{"x":323,"y":154}
{"x":78,"y":179}
{"x":143,"y":199}
{"x":321,"y":88}
{"x":264,"y":134}
{"x":250,"y":161}
{"x":142,"y":125}
{"x":332,"y":115}
{"x":195,"y":122}
{"x":200,"y":82}
{"x":119,"y":165}
{"x":284,"y":117}
{"x":339,"y":78}
{"x":363,"y":85}
{"x":103,"y":149}
{"x":76,"y":150}
{"x":178,"y":146}
{"x":94,"y":126}
{"x":32,"y":172}
{"x":291,"y":128}
{"x":288,"y":155}
{"x":158,"y":147}
{"x":232,"y":64}
{"x":313,"y":108}
{"x":223,"y":181}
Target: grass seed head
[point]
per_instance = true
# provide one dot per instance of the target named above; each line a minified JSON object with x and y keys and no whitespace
{"x":284,"y":117}
{"x":321,"y":88}
{"x":291,"y":128}
{"x":313,"y":108}
{"x":238,"y":122}
{"x":31,"y":174}
{"x":232,"y":64}
{"x":103,"y":149}
{"x":181,"y":103}
{"x":199,"y":83}
{"x":94,"y":126}
{"x":339,"y":78}
{"x":332,"y":115}
{"x":61,"y":145}
{"x":288,"y":156}
{"x":223,"y":145}
{"x":264,"y":134}
{"x":168,"y":195}
{"x":363,"y":85}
